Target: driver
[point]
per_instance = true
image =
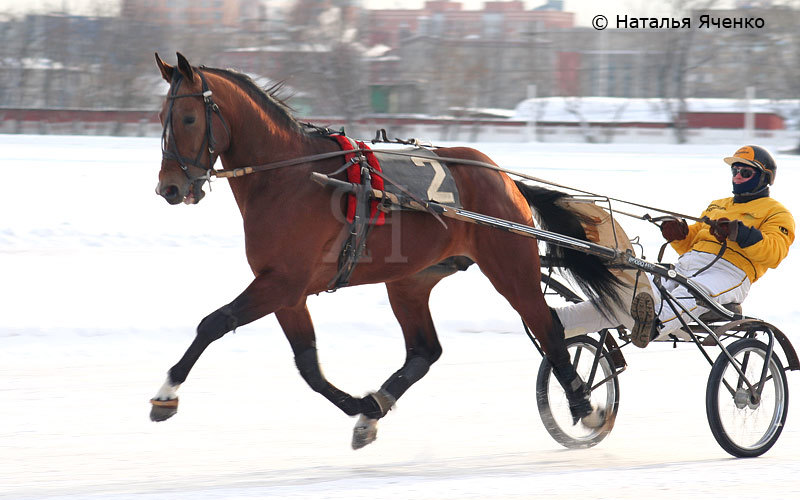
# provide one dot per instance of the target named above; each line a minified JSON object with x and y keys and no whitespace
{"x":752,"y":233}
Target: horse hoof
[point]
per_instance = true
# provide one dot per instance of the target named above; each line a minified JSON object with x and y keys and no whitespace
{"x":581,"y":409}
{"x":365,"y":432}
{"x":162,"y":410}
{"x":596,"y":419}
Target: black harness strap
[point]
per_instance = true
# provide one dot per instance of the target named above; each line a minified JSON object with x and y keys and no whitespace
{"x":358,"y":230}
{"x":722,"y":249}
{"x":169,"y":149}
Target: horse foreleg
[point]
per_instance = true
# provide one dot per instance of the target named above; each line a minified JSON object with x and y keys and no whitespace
{"x":264,"y":295}
{"x":299,"y":330}
{"x":213,"y":327}
{"x":409,"y":300}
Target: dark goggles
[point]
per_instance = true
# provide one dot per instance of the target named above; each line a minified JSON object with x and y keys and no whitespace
{"x":745,"y":171}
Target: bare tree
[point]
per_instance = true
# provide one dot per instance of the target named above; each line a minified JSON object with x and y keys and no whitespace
{"x":329,"y":60}
{"x":679,"y":60}
{"x":784,"y":57}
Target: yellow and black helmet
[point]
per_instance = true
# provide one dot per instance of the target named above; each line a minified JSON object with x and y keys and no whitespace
{"x":756,"y":157}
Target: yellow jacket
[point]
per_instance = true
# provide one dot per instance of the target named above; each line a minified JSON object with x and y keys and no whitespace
{"x":772,"y":219}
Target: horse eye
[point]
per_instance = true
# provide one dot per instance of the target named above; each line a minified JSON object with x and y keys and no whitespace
{"x":188,"y":120}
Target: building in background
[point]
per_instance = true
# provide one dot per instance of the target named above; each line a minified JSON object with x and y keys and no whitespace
{"x":442,"y":59}
{"x":508,"y":20}
{"x":228,"y":13}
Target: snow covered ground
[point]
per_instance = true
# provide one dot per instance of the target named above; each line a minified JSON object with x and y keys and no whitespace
{"x":102,"y":284}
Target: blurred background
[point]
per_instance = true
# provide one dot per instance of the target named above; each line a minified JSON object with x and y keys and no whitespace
{"x":513,"y":70}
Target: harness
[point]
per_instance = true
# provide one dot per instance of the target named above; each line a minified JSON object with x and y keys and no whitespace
{"x":354,"y":244}
{"x":359,"y":219}
{"x":169,"y":149}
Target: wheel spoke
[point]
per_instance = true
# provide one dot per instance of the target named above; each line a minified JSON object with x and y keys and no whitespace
{"x":744,"y":369}
{"x":577,"y":357}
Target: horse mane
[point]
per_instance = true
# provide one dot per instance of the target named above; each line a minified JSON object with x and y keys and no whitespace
{"x":267,"y":98}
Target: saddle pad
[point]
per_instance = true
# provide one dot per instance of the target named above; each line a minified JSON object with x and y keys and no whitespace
{"x":354,"y":176}
{"x":422,"y":175}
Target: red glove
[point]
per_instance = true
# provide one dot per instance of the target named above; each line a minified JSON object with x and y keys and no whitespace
{"x":674,"y":229}
{"x":724,"y":228}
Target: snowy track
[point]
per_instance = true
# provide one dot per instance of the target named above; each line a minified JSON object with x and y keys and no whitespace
{"x":102,"y":284}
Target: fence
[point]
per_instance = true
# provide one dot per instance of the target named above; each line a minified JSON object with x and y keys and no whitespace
{"x":146,"y":124}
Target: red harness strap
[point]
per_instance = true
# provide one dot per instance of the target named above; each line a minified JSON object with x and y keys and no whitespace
{"x":354,"y":176}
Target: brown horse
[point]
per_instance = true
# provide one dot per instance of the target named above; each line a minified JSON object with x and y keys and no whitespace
{"x":292,"y":227}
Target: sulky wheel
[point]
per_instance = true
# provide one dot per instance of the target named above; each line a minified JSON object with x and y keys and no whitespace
{"x":744,"y":424}
{"x":552,"y":402}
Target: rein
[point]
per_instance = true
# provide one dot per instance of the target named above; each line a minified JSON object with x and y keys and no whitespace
{"x":241,"y":171}
{"x":238,"y":172}
{"x":211,"y":108}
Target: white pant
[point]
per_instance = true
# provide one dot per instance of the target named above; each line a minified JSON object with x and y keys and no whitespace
{"x":723,"y":282}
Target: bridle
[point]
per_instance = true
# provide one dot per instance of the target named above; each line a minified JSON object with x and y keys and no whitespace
{"x":170,"y":151}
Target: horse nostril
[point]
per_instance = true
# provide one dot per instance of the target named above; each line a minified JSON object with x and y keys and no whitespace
{"x":171,"y":193}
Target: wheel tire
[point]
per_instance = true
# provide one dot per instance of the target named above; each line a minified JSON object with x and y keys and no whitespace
{"x":743,"y":428}
{"x":552,"y":401}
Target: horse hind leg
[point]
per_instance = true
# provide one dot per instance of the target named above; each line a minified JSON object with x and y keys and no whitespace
{"x":511,"y":264}
{"x":576,"y":390}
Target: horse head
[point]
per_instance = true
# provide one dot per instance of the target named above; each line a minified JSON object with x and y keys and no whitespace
{"x":194,"y":133}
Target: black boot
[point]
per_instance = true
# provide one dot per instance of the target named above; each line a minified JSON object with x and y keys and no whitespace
{"x":558,"y":327}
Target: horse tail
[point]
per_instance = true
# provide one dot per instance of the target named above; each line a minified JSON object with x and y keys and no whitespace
{"x":589,"y":272}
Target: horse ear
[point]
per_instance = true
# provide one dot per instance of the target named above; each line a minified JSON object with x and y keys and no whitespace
{"x":166,"y":69}
{"x":184,"y":67}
